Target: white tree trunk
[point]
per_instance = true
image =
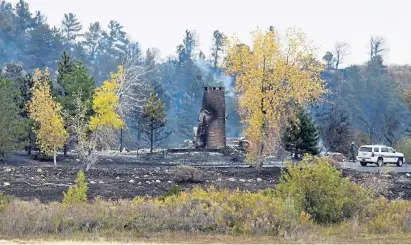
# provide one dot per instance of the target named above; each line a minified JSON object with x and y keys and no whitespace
{"x":55,"y":160}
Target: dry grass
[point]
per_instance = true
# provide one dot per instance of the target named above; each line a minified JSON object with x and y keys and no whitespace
{"x":199,"y":216}
{"x":190,"y":238}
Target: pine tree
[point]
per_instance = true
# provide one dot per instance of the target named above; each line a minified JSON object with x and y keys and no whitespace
{"x":24,"y":16}
{"x":65,"y":66}
{"x":71,"y":27}
{"x":301,"y":136}
{"x":92,"y":39}
{"x":12,"y":128}
{"x":152,"y":121}
{"x":337,"y":133}
{"x":22,"y":84}
{"x":218,"y":45}
{"x":74,"y":80}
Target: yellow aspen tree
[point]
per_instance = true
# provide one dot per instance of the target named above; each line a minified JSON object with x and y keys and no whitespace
{"x":273,"y":76}
{"x":50,"y":133}
{"x":106,"y":103}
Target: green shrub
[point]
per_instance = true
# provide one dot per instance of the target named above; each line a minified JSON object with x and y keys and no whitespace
{"x":4,"y":201}
{"x":173,"y":191}
{"x":78,"y":192}
{"x":318,"y":189}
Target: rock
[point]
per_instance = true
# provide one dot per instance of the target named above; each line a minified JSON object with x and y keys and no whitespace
{"x":407,"y":174}
{"x":241,"y":180}
{"x":145,"y":176}
{"x":136,"y":177}
{"x":131,"y":181}
{"x":6,"y":184}
{"x":169,"y":181}
{"x":148,"y":182}
{"x":118,"y":177}
{"x":39,"y":170}
{"x":250,"y":180}
{"x":101,"y":182}
{"x":219,"y":179}
{"x":259,"y":179}
{"x":92,"y":182}
{"x":139,"y":183}
{"x":77,"y":160}
{"x":158,"y":181}
{"x":232,"y":179}
{"x":7,"y":170}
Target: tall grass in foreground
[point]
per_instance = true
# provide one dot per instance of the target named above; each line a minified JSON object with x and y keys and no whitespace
{"x":309,"y":201}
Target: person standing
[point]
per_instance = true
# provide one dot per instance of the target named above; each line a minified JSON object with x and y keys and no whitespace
{"x":353,"y":150}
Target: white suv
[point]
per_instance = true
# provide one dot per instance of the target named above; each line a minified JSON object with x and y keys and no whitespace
{"x":379,"y":154}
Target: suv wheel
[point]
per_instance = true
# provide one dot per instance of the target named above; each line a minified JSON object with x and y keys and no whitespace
{"x":363,"y":164}
{"x":380,"y":162}
{"x":400,"y":162}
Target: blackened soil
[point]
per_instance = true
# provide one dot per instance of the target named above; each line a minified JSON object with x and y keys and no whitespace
{"x":28,"y":179}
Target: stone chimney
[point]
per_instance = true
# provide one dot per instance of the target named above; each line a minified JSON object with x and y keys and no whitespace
{"x":211,"y":122}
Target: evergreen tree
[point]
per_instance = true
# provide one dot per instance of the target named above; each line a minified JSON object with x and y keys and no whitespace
{"x":115,"y":39}
{"x":43,"y":49}
{"x":25,"y":21}
{"x":152,"y":121}
{"x":337,"y":133}
{"x":92,"y":40}
{"x":301,"y":136}
{"x":39,"y":19}
{"x":12,"y":127}
{"x":65,"y":66}
{"x":218,"y":42}
{"x":75,"y":83}
{"x":78,"y":80}
{"x":22,"y":84}
{"x":71,"y":27}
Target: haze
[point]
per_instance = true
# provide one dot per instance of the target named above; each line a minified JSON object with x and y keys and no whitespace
{"x":161,"y":24}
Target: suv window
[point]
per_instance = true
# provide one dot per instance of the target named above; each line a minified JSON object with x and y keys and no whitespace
{"x":391,"y":150}
{"x":365,"y":149}
{"x":376,"y":149}
{"x":384,"y":149}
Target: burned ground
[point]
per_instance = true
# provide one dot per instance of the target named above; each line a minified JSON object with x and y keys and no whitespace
{"x":122,"y":177}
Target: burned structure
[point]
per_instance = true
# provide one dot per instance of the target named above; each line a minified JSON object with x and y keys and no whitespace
{"x":210,"y":130}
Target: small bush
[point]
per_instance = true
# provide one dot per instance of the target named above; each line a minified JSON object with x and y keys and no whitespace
{"x":4,"y":201}
{"x":173,"y":191}
{"x":317,"y":188}
{"x":385,"y":217}
{"x":78,"y":192}
{"x":184,"y":173}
